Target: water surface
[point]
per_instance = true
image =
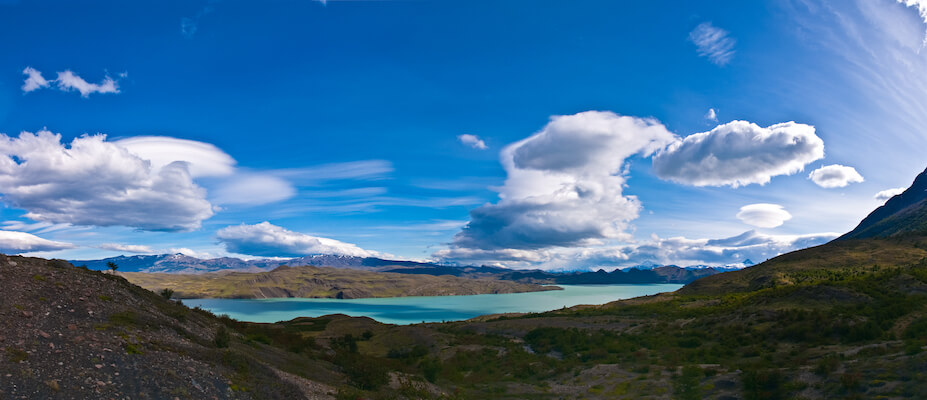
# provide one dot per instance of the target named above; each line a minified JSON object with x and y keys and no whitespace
{"x":410,"y":310}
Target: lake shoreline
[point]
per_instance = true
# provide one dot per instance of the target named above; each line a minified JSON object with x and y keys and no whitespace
{"x":417,"y":309}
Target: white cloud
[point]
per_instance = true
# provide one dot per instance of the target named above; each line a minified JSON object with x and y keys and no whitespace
{"x":268,"y":240}
{"x":34,"y":80}
{"x":886,"y":194}
{"x":68,"y":81}
{"x":472,"y":141}
{"x":711,"y":115}
{"x":191,"y":253}
{"x":12,"y":242}
{"x":835,"y":176}
{"x":921,"y":6}
{"x":353,"y":170}
{"x":739,"y":153}
{"x":128,"y":248}
{"x":237,"y":186}
{"x":713,"y":42}
{"x":95,"y":182}
{"x":751,"y":245}
{"x":763,"y":215}
{"x":564,"y":184}
{"x":204,"y":159}
{"x":681,"y":251}
{"x":253,"y":189}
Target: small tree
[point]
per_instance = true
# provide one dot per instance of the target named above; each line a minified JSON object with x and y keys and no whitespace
{"x":112,"y":266}
{"x":167,"y":293}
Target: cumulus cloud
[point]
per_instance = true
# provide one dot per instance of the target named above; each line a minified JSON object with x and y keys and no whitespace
{"x":711,"y":115}
{"x":750,"y":245}
{"x":268,"y":240}
{"x":12,"y":242}
{"x":95,"y":182}
{"x":564,"y":184}
{"x":739,"y":153}
{"x":34,"y":80}
{"x":713,"y":43}
{"x":128,"y":248}
{"x":886,"y":194}
{"x":835,"y":176}
{"x":921,"y":6}
{"x":472,"y":141}
{"x":68,"y":81}
{"x":763,"y":215}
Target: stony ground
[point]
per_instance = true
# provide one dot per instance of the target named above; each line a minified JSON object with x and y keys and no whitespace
{"x":71,"y":333}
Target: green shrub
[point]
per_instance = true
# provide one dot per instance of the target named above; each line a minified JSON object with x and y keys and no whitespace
{"x":222,"y":337}
{"x":167,"y":293}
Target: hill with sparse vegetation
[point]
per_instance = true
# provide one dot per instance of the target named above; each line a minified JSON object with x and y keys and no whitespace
{"x":317,"y":282}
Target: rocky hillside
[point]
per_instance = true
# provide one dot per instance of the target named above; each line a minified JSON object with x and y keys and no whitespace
{"x":904,"y":214}
{"x":71,"y":333}
{"x":322,"y":283}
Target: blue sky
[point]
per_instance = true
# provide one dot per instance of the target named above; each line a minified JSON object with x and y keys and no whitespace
{"x":341,"y":124}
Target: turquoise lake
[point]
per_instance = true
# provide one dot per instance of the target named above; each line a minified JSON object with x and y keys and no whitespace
{"x":410,"y":310}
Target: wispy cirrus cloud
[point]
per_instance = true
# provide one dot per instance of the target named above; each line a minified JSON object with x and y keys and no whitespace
{"x":68,"y":81}
{"x":713,"y":42}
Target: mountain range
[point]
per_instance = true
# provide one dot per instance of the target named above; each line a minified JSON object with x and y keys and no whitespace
{"x":183,"y":264}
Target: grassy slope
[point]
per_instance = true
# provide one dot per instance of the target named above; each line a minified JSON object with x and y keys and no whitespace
{"x":323,"y":283}
{"x":814,"y":263}
{"x":846,"y":320}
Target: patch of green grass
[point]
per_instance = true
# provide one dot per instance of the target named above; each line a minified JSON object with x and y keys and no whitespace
{"x":124,"y":318}
{"x":132,"y":349}
{"x":16,"y":355}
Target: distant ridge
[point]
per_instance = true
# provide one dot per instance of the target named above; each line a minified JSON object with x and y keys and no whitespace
{"x":183,"y":264}
{"x":902,"y":215}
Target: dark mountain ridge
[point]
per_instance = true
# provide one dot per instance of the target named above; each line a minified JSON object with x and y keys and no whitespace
{"x":903,"y":214}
